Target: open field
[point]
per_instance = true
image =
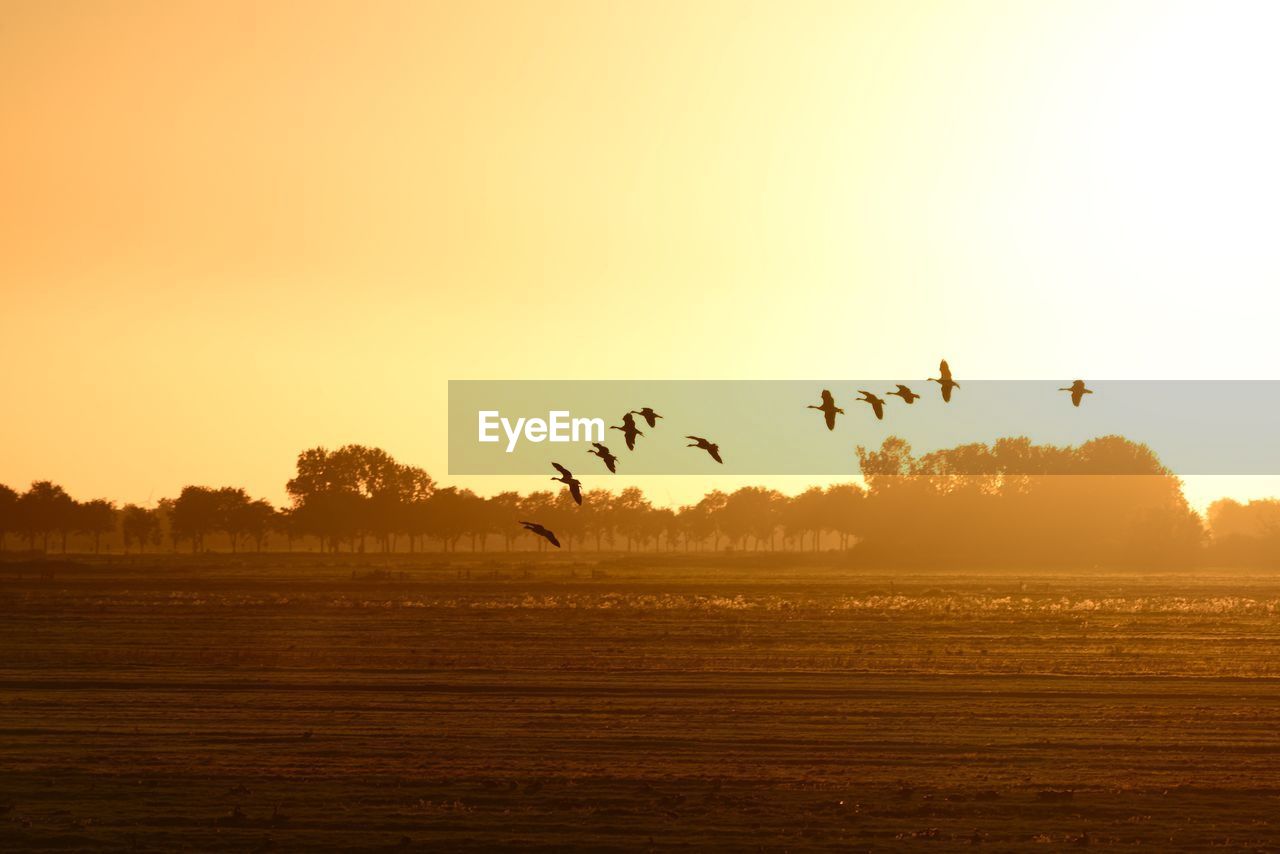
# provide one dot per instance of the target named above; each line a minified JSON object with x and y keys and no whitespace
{"x":550,"y":701}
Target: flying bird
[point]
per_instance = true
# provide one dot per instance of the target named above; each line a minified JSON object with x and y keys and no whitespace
{"x":906,"y":394}
{"x":566,"y":477}
{"x":877,"y":404}
{"x":629,"y":430}
{"x":650,"y":417}
{"x":610,"y":461}
{"x":1078,"y":391}
{"x":710,"y":447}
{"x":945,"y":381}
{"x":542,"y":532}
{"x":828,"y":409}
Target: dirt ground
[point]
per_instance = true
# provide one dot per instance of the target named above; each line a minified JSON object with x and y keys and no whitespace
{"x":778,"y":703}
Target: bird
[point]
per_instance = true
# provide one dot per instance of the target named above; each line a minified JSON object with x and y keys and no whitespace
{"x":877,"y":404}
{"x":566,"y":477}
{"x":650,"y":417}
{"x":601,"y":451}
{"x":710,"y":447}
{"x":542,"y":532}
{"x":945,"y":381}
{"x":828,"y":409}
{"x":629,"y":430}
{"x":906,"y":394}
{"x":1078,"y":391}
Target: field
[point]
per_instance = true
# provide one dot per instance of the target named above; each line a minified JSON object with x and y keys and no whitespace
{"x":459,"y":702}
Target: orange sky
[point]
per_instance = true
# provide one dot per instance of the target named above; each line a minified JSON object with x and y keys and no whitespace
{"x":235,"y":230}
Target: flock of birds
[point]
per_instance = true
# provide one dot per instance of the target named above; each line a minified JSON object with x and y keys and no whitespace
{"x":629,"y":431}
{"x":828,"y":408}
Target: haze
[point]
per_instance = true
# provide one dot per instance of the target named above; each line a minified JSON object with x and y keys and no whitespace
{"x":233,"y":231}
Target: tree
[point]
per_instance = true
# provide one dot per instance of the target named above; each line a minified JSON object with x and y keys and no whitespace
{"x":44,"y":509}
{"x":751,"y":512}
{"x":95,"y":518}
{"x":8,"y":513}
{"x":256,"y":520}
{"x":284,"y":522}
{"x":503,"y":512}
{"x":232,"y":514}
{"x":140,"y":525}
{"x":196,"y":512}
{"x":708,"y":517}
{"x":842,"y":511}
{"x":1108,"y":501}
{"x":346,"y":494}
{"x":450,"y":514}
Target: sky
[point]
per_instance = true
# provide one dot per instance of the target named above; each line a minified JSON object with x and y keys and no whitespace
{"x":234,"y":230}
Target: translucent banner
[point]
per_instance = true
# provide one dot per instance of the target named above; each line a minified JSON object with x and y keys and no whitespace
{"x":781,"y":427}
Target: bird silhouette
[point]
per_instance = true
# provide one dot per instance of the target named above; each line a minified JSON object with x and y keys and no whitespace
{"x":1078,"y":391}
{"x":877,"y":404}
{"x":945,"y":381}
{"x":828,"y":409}
{"x":906,"y":394}
{"x":650,"y":417}
{"x":542,"y":532}
{"x":710,"y":447}
{"x":566,"y":477}
{"x":610,"y":461}
{"x":629,"y":430}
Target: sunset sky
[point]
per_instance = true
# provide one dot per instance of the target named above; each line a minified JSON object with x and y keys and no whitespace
{"x":231,"y":231}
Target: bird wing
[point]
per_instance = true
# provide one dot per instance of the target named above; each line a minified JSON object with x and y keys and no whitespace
{"x":564,"y":471}
{"x":830,"y":414}
{"x":631,"y":439}
{"x":696,"y":438}
{"x":611,"y":462}
{"x":575,"y":489}
{"x":878,"y":405}
{"x":1077,"y":395}
{"x":944,"y":370}
{"x":551,"y":537}
{"x":827,"y":399}
{"x":714,"y":451}
{"x":946,"y":393}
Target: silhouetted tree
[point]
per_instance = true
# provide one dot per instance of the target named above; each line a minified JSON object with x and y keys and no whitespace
{"x":843,"y":511}
{"x":750,"y":513}
{"x":503,"y":511}
{"x":139,"y":525}
{"x":1108,"y":501}
{"x":256,"y":520}
{"x":95,"y":518}
{"x":345,"y":494}
{"x":1245,"y":534}
{"x":8,"y":513}
{"x":43,"y":509}
{"x":196,"y":512}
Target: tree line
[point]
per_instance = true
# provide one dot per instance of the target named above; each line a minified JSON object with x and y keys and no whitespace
{"x":1107,"y":502}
